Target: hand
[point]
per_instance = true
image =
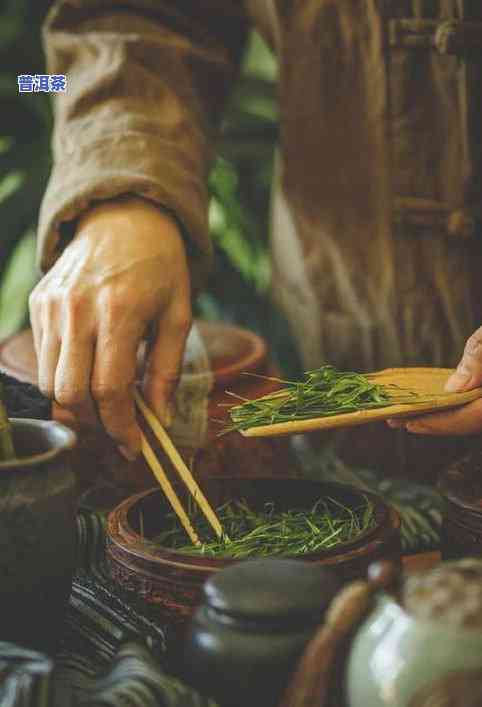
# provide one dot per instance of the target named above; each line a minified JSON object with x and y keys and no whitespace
{"x":125,"y":271}
{"x":465,"y":420}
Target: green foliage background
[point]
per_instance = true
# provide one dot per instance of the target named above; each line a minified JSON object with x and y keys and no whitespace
{"x":25,"y":124}
{"x":239,"y":183}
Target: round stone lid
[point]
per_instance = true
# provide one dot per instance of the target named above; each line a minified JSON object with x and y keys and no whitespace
{"x":267,"y":589}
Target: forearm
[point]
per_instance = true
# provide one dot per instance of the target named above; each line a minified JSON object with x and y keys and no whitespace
{"x":146,"y":85}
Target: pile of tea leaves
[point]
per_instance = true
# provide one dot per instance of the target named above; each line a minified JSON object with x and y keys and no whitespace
{"x":324,"y":392}
{"x":273,"y":533}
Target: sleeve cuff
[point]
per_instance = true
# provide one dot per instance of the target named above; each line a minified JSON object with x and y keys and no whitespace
{"x":141,"y":165}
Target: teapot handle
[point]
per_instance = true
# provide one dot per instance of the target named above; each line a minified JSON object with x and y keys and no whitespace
{"x":318,"y":672}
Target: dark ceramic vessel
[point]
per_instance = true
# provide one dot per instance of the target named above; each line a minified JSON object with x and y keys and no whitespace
{"x":171,"y":583}
{"x":254,"y":622}
{"x":461,"y":487}
{"x":37,"y":533}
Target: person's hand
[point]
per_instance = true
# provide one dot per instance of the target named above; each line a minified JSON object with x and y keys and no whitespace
{"x":464,"y":420}
{"x":124,"y":273}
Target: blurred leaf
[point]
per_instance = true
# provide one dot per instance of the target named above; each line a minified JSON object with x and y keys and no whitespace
{"x":18,"y":280}
{"x":259,"y":60}
{"x":10,"y":184}
{"x":256,"y":99}
{"x":234,"y":229}
{"x":19,"y":207}
{"x":24,"y":143}
{"x":5,"y":144}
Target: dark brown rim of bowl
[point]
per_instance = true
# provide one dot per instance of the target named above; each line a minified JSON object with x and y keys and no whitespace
{"x":68,"y":441}
{"x":119,"y":531}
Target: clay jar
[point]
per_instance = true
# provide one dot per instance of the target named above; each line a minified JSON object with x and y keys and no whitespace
{"x":37,"y":533}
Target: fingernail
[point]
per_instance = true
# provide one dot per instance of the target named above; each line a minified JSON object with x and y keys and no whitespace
{"x":458,"y":380}
{"x":128,"y":454}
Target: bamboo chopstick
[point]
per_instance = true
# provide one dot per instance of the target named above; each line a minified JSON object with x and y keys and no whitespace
{"x":178,"y":463}
{"x":166,"y":486}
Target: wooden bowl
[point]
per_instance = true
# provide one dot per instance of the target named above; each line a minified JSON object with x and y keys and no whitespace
{"x":171,"y":582}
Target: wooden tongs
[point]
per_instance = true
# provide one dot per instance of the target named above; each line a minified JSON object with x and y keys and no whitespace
{"x":181,"y":468}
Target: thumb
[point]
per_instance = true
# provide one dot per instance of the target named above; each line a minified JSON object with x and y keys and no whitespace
{"x":165,"y":361}
{"x":469,"y":371}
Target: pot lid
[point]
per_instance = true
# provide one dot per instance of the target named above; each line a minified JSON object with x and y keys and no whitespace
{"x":267,"y":589}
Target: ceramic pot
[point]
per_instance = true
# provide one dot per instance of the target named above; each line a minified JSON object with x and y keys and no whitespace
{"x":254,"y":622}
{"x":397,"y":659}
{"x":461,"y":486}
{"x":37,"y":533}
{"x":170,"y":583}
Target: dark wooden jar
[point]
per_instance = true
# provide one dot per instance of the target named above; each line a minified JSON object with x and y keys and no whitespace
{"x":461,"y":486}
{"x":38,"y":537}
{"x":170,"y":583}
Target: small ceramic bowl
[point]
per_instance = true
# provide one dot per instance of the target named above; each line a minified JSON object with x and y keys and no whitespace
{"x":171,"y":582}
{"x":38,"y":536}
{"x":398,"y":659}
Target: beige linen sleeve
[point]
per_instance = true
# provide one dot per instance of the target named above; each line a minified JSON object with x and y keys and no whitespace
{"x":146,"y":82}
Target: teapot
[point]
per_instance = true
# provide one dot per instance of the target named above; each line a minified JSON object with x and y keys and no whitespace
{"x":424,"y":649}
{"x":411,"y":641}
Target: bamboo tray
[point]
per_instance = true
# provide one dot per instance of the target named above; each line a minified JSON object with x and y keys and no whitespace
{"x":427,"y":382}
